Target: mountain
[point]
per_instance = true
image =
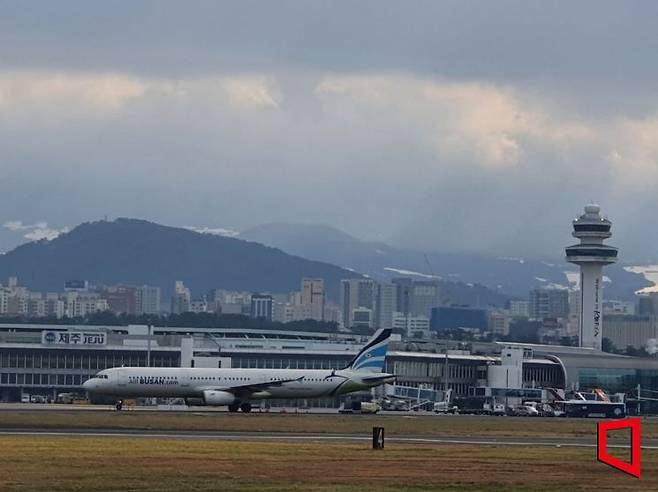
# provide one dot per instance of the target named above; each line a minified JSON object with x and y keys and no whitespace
{"x":378,"y":260}
{"x":512,"y":276}
{"x":139,"y":252}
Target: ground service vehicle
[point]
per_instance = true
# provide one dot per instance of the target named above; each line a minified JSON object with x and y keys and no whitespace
{"x":360,"y":407}
{"x":526,"y":411}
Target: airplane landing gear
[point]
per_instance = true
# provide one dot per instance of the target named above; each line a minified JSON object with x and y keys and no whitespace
{"x":233,"y":407}
{"x":245,"y":407}
{"x":118,"y":405}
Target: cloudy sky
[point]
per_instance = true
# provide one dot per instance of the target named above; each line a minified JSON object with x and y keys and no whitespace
{"x":443,"y":125}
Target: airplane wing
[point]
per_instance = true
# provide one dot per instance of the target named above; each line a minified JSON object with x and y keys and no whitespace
{"x":245,"y":389}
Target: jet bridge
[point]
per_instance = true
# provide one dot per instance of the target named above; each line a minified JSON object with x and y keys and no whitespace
{"x":421,"y":397}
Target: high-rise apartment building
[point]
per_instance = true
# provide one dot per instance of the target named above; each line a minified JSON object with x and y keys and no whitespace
{"x":425,"y":295}
{"x":416,"y":297}
{"x":180,"y":301}
{"x":261,"y":306}
{"x":120,"y":299}
{"x":519,"y":308}
{"x":386,"y":304}
{"x":412,"y":326}
{"x":312,"y":299}
{"x":548,"y":303}
{"x":357,"y":294}
{"x":147,"y":299}
{"x":499,"y":322}
{"x":403,"y":292}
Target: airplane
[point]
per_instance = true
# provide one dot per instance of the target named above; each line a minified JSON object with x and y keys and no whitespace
{"x":235,"y":388}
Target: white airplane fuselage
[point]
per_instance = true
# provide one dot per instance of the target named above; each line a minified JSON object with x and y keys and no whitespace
{"x":255,"y":383}
{"x":235,"y":387}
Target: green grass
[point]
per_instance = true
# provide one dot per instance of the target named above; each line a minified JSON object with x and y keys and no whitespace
{"x":43,"y":463}
{"x":315,"y":423}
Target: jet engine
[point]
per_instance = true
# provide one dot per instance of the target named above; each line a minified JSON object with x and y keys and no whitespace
{"x":218,"y":398}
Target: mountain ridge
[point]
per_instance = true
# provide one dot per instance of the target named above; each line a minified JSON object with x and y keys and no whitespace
{"x":136,"y":251}
{"x":512,"y":276}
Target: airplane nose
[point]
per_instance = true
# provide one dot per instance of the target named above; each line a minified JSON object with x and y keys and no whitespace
{"x":87,"y":385}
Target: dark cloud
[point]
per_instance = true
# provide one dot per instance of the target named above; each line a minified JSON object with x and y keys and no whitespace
{"x":605,"y":41}
{"x":480,"y":126}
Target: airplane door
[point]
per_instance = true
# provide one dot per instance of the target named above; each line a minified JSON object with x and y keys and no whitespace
{"x":123,"y":377}
{"x":185,"y":378}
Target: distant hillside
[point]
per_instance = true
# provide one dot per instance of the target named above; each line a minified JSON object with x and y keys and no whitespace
{"x":511,"y":276}
{"x":378,"y":260}
{"x":136,"y":251}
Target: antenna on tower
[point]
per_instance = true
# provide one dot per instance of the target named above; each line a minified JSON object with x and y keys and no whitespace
{"x":429,"y":265}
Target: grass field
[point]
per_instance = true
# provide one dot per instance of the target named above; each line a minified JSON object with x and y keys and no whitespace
{"x":43,"y":463}
{"x":458,"y":425}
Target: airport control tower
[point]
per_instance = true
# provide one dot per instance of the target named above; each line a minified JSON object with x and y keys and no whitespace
{"x":591,"y":254}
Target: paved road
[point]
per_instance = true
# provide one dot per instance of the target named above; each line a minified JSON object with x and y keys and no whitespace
{"x":310,"y":437}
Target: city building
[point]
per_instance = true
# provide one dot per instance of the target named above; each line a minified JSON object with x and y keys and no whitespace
{"x":591,"y":255}
{"x":548,"y":302}
{"x":79,"y":304}
{"x":630,"y":331}
{"x":425,"y":296}
{"x":357,"y":294}
{"x":147,"y":300}
{"x":261,"y":306}
{"x":199,"y":305}
{"x":553,"y":330}
{"x":76,"y":286}
{"x":446,"y":318}
{"x":574,"y":303}
{"x":499,"y":322}
{"x":4,"y":300}
{"x":332,"y":313}
{"x":519,"y":309}
{"x":403,"y":293}
{"x":412,"y":326}
{"x":283,"y":312}
{"x":386,"y":304}
{"x":363,"y":317}
{"x":180,"y":301}
{"x":648,"y":304}
{"x":312,"y":299}
{"x":37,"y":307}
{"x":618,"y":307}
{"x":232,"y":302}
{"x":120,"y":299}
{"x":55,"y":306}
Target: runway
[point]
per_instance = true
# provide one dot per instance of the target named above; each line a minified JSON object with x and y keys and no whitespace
{"x":308,"y":437}
{"x":184,"y":409}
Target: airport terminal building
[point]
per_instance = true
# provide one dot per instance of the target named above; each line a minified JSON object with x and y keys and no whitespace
{"x":50,"y":359}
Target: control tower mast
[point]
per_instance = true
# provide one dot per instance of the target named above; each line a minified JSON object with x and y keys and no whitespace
{"x":591,"y":254}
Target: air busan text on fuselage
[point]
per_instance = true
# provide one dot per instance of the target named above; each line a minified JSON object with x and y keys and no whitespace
{"x":236,"y":387}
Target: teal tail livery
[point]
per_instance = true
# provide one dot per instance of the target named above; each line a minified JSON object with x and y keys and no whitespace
{"x":372,"y":357}
{"x":236,"y":388}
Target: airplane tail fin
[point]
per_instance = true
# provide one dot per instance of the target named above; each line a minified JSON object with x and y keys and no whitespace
{"x":371,"y":357}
